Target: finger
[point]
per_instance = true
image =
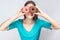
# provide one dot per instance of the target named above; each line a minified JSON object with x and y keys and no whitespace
{"x":37,"y":7}
{"x":40,"y":10}
{"x":24,"y":13}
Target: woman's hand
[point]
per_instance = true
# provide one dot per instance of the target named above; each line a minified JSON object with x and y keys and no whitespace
{"x":19,"y":13}
{"x":40,"y":13}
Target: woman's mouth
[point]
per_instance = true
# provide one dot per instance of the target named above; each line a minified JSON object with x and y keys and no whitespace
{"x":31,"y":14}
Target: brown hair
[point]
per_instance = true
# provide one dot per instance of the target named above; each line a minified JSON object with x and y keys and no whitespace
{"x":32,"y":2}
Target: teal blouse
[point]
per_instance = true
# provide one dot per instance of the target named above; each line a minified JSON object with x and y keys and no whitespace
{"x":35,"y":31}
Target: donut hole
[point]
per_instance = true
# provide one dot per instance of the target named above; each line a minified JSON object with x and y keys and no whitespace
{"x":26,"y":9}
{"x":32,"y":8}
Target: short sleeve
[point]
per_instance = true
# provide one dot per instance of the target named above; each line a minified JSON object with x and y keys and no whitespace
{"x":46,"y":24}
{"x":12,"y":25}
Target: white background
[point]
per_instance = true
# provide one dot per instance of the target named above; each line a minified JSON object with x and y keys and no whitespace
{"x":8,"y":8}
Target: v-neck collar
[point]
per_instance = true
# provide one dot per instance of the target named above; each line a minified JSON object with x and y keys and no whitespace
{"x":31,"y":29}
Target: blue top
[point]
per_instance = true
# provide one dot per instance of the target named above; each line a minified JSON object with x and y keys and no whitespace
{"x":35,"y":31}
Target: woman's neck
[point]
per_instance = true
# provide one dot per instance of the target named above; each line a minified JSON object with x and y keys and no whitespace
{"x":28,"y":21}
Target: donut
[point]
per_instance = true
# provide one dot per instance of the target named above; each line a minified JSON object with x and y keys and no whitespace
{"x":25,"y":9}
{"x":33,"y":9}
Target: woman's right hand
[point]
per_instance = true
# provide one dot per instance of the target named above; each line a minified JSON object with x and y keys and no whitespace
{"x":19,"y":13}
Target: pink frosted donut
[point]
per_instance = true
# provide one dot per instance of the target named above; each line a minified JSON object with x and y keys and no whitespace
{"x":25,"y":9}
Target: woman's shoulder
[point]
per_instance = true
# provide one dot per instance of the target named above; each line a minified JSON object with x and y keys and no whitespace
{"x":17,"y":20}
{"x":42,"y":20}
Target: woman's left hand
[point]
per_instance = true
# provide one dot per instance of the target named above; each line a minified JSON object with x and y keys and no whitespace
{"x":40,"y":13}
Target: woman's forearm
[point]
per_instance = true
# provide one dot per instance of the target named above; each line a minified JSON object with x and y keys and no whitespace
{"x":5,"y":24}
{"x":54,"y":23}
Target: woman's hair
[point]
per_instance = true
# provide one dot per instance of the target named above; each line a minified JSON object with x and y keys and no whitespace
{"x":31,"y":2}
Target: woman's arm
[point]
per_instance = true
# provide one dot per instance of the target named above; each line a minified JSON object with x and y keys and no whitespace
{"x":5,"y":24}
{"x":55,"y":24}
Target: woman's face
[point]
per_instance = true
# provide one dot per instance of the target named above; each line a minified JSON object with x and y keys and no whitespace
{"x":29,"y":16}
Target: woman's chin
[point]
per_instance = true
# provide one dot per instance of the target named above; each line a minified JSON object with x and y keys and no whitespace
{"x":30,"y":17}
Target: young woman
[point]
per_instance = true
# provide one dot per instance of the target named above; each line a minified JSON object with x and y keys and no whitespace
{"x":29,"y":28}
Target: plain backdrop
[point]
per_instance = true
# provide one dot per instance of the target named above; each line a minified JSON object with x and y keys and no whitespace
{"x":8,"y":9}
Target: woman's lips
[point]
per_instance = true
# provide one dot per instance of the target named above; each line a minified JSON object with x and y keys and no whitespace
{"x":31,"y":14}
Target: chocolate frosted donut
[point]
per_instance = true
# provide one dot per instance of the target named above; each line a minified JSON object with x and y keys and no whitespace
{"x":33,"y":9}
{"x":25,"y":9}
